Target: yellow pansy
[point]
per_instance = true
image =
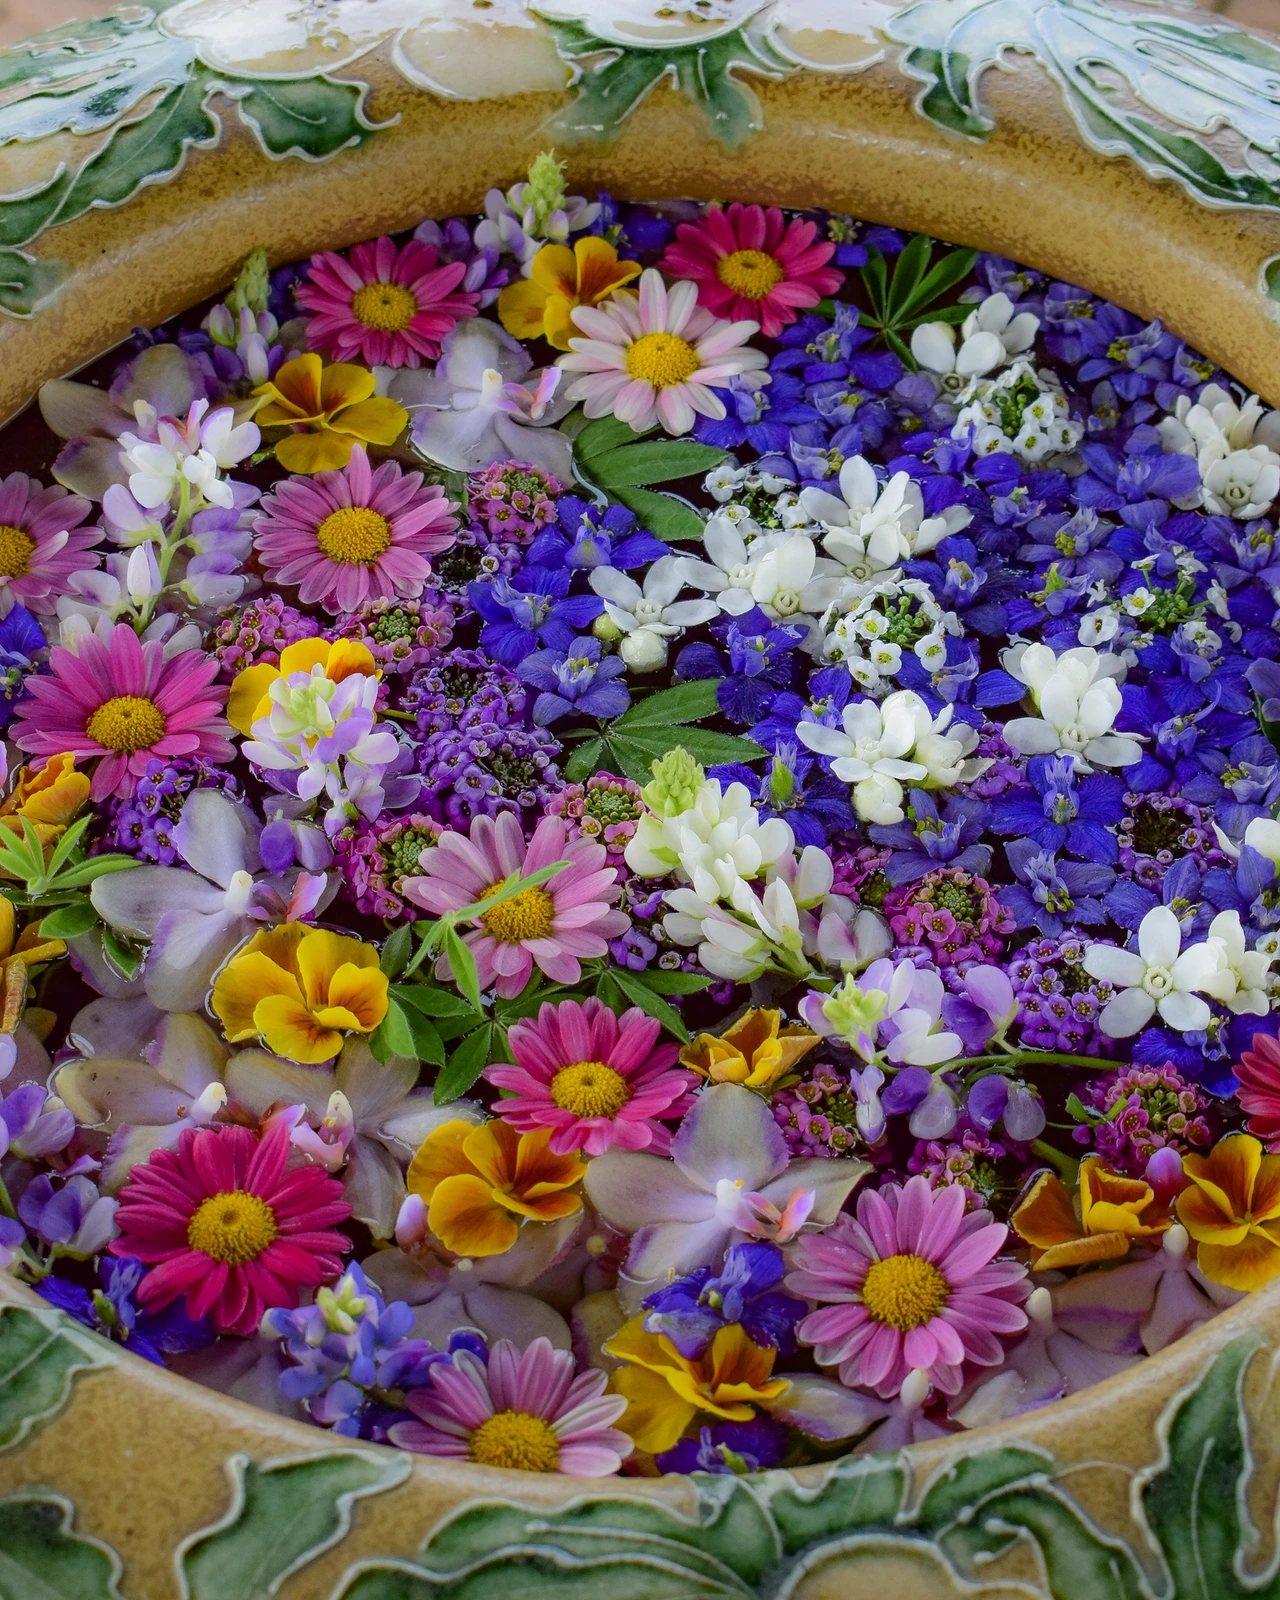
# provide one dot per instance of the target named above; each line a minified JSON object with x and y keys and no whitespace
{"x":50,"y":797}
{"x":1231,"y":1208}
{"x":479,"y":1182}
{"x":559,"y":280}
{"x":328,"y":409}
{"x":300,"y":990}
{"x":1113,"y":1212}
{"x":250,"y":696}
{"x":665,"y":1391}
{"x":756,"y":1050}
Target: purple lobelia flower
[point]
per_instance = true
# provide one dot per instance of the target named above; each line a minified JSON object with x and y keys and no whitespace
{"x":1050,"y":893}
{"x":933,"y":837}
{"x":1059,"y":811}
{"x":575,"y":680}
{"x":27,"y":1129}
{"x":532,"y":608}
{"x":693,"y":1309}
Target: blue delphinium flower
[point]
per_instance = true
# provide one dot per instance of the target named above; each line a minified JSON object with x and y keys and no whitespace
{"x":1059,"y":811}
{"x":1188,"y":736}
{"x":1050,"y":893}
{"x":758,"y":415}
{"x":930,"y":838}
{"x":588,"y":537}
{"x":1117,"y":345}
{"x":535,"y":607}
{"x":1181,"y":890}
{"x":1136,"y":480}
{"x":757,"y":660}
{"x":692,"y":1310}
{"x":21,"y":640}
{"x":1251,"y":887}
{"x":1075,"y":543}
{"x":576,"y":679}
{"x":794,"y":787}
{"x":729,"y":1447}
{"x":110,"y":1311}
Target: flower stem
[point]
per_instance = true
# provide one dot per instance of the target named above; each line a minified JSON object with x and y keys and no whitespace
{"x":1031,"y":1058}
{"x":1067,"y":1167}
{"x":6,"y":1204}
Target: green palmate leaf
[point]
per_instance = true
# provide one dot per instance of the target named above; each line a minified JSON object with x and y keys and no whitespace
{"x":40,"y":1353}
{"x":433,"y":1002}
{"x":42,"y":1559}
{"x":654,"y":461}
{"x":69,"y":922}
{"x":638,"y":748}
{"x":944,"y":276}
{"x":650,"y":1002}
{"x":464,"y":1066}
{"x":283,"y":1514}
{"x":396,"y":952}
{"x":584,"y":761}
{"x":605,"y":434}
{"x":28,"y":284}
{"x":664,"y":515}
{"x":663,"y":982}
{"x":312,"y":117}
{"x":687,"y":702}
{"x":907,"y":275}
{"x":463,"y":964}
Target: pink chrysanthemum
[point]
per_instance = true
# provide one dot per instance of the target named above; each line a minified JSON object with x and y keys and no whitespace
{"x":124,"y":702}
{"x":355,"y":535}
{"x":570,"y":916}
{"x":596,"y":1079}
{"x":221,"y":1220}
{"x":748,"y":262}
{"x":525,"y":1410}
{"x":914,"y":1284}
{"x":385,"y":306}
{"x":41,"y":543}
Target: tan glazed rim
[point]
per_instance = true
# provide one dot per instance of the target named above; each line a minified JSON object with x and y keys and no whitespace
{"x":142,"y":1455}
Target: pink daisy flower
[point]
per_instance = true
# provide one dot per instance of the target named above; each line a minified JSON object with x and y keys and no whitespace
{"x":350,"y":537}
{"x":569,"y":917}
{"x":748,"y":262}
{"x":385,"y":306}
{"x":525,"y":1410}
{"x":221,"y":1220}
{"x":914,"y":1285}
{"x":122,"y":701}
{"x":595,"y":1078}
{"x":42,"y":545}
{"x":655,"y":358}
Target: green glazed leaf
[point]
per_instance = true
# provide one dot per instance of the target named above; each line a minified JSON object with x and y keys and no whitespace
{"x":862,"y":1492}
{"x":311,"y":117}
{"x":40,"y":1353}
{"x":283,"y":1514}
{"x":42,"y":1559}
{"x":28,"y":284}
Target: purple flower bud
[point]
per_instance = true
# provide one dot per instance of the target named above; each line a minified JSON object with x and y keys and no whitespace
{"x":907,"y":1090}
{"x":1024,"y":1114}
{"x":276,"y":846}
{"x":936,"y":1114}
{"x":988,"y":1099}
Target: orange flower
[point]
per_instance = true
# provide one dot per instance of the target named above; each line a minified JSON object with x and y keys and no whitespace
{"x":17,"y":959}
{"x":1113,"y":1212}
{"x":249,"y":698}
{"x":1231,"y":1208}
{"x":50,"y":797}
{"x":327,"y":409}
{"x":755,"y":1050}
{"x":559,"y":280}
{"x":479,"y":1182}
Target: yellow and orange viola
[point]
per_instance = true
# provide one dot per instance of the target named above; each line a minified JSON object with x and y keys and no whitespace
{"x":326,"y":409}
{"x":755,"y":1051}
{"x":50,"y":797}
{"x":1231,"y":1208}
{"x":1109,"y":1214}
{"x":559,"y":281}
{"x":19,"y":952}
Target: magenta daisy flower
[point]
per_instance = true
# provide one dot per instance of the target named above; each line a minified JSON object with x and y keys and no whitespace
{"x":524,"y":1410}
{"x":122,"y":701}
{"x":568,"y":918}
{"x":914,"y":1284}
{"x":598,"y":1080}
{"x":748,"y":262}
{"x":384,"y":305}
{"x":41,"y":543}
{"x":353,"y":536}
{"x":223,"y":1220}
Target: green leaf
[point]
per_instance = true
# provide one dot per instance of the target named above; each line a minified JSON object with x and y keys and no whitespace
{"x":607,"y":433}
{"x":465,"y":1065}
{"x":875,"y":279}
{"x":42,"y":1559}
{"x":649,"y":1002}
{"x":121,"y":954}
{"x":663,"y":982}
{"x":640,"y":747}
{"x":40,"y":1353}
{"x":655,"y":461}
{"x":28,"y":284}
{"x":584,"y":761}
{"x":309,"y":116}
{"x":951,"y":271}
{"x":687,"y":702}
{"x":908,"y":271}
{"x":664,"y":515}
{"x":434,"y":1002}
{"x":463,"y":964}
{"x":283,"y":1514}
{"x":396,"y":951}
{"x":396,"y":1033}
{"x":69,"y":922}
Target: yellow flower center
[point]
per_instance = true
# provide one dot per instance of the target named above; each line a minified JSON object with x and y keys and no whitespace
{"x":662,"y":359}
{"x":904,"y":1291}
{"x":527,"y":915}
{"x":385,"y":306}
{"x":354,"y":534}
{"x":234,"y":1227}
{"x":590,"y":1089}
{"x":516,"y":1439}
{"x":125,"y":723}
{"x":750,"y":273}
{"x":15,"y":551}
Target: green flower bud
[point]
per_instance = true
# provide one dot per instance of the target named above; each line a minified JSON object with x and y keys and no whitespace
{"x":677,"y":777}
{"x":252,"y":286}
{"x":546,"y":190}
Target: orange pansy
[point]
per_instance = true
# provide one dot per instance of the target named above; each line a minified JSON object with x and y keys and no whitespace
{"x":559,"y":280}
{"x":1113,"y":1211}
{"x":1231,"y":1208}
{"x":50,"y":797}
{"x":756,"y":1050}
{"x":327,"y":409}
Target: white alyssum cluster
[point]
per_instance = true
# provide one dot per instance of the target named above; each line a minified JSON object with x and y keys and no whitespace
{"x":858,"y":628}
{"x":1077,"y":699}
{"x":1022,"y":412}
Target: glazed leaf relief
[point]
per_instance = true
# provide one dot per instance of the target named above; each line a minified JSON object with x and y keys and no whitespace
{"x":283,"y":1514}
{"x":27,"y":285}
{"x":42,"y":1559}
{"x":1192,"y":75}
{"x":40,"y":1353}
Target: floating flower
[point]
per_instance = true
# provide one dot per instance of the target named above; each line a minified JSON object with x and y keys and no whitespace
{"x":526,"y":1412}
{"x":353,"y":536}
{"x":656,"y":359}
{"x":384,"y":306}
{"x":1259,"y":1091}
{"x":50,"y":797}
{"x":756,"y":1050}
{"x":124,"y":702}
{"x":327,"y":411}
{"x":1231,"y":1208}
{"x":692,"y":1310}
{"x":556,"y":924}
{"x":42,"y":544}
{"x":221,"y":1220}
{"x":479,"y":1184}
{"x":1078,"y":700}
{"x":560,"y":280}
{"x":250,"y":697}
{"x":1160,"y":976}
{"x":749,"y":262}
{"x":1113,"y":1212}
{"x":914,"y":1282}
{"x":300,"y":990}
{"x":598,"y":1081}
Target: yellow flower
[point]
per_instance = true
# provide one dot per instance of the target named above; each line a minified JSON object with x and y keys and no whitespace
{"x":300,"y":990}
{"x":756,"y":1050}
{"x":17,"y":957}
{"x":1113,"y":1212}
{"x":479,"y":1182}
{"x":561,"y":279}
{"x":328,"y":410}
{"x":250,"y":697}
{"x":1231,"y":1208}
{"x":665,"y":1391}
